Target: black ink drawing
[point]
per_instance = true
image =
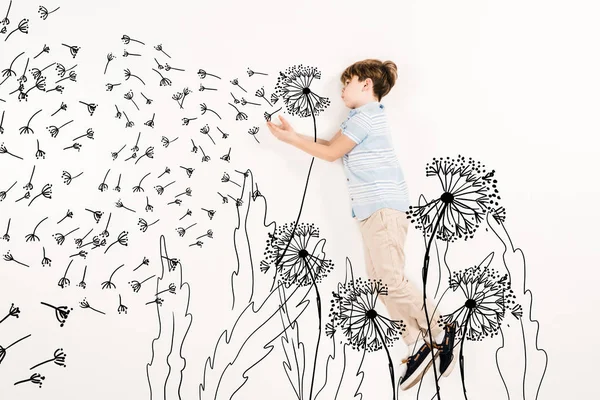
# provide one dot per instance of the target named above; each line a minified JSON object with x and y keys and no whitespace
{"x":353,"y":311}
{"x":32,"y":237}
{"x":127,"y":54}
{"x":129,"y":96}
{"x":4,"y":150}
{"x":111,"y":86}
{"x":103,"y":186}
{"x":72,"y":77}
{"x":25,"y":196}
{"x":26,"y":129}
{"x":105,"y":233}
{"x":85,"y":304}
{"x":64,"y":281}
{"x":46,"y":192}
{"x":181,"y":231}
{"x":69,"y":214}
{"x":128,"y":75}
{"x":61,"y":313}
{"x":108,"y":284}
{"x":163,"y":81}
{"x":12,"y":312}
{"x":58,"y":359}
{"x":203,"y":88}
{"x":176,"y":201}
{"x":139,"y":187}
{"x":174,"y":322}
{"x":150,"y":122}
{"x":118,"y":115}
{"x":119,"y":204}
{"x":115,"y":154}
{"x":253,"y":131}
{"x":145,"y":225}
{"x":109,"y":58}
{"x":22,"y":27}
{"x":148,"y":101}
{"x":82,"y":283}
{"x":122,"y":308}
{"x":121,"y":239}
{"x":226,"y":178}
{"x":203,"y":74}
{"x":261,"y":94}
{"x":226,"y":157}
{"x":89,"y":134}
{"x":5,"y":21}
{"x":126,"y":40}
{"x":3,"y":193}
{"x":204,"y":109}
{"x":167,"y":171}
{"x":187,"y":213}
{"x":251,"y":72}
{"x":2,"y":123}
{"x":148,"y":207}
{"x":187,"y":192}
{"x":6,"y":236}
{"x":36,"y":379}
{"x":79,"y":241}
{"x":96,"y":214}
{"x":117,"y":188}
{"x":240,"y":116}
{"x":67,"y":178}
{"x":235,"y":82}
{"x":76,"y":146}
{"x":166,"y":141}
{"x":188,"y":170}
{"x":4,"y":349}
{"x":204,"y":130}
{"x":9,"y":257}
{"x":148,"y":153}
{"x":43,"y":11}
{"x":39,"y":153}
{"x":159,"y":48}
{"x":46,"y":262}
{"x":82,"y":253}
{"x":91,"y":107}
{"x":55,"y":130}
{"x":29,"y":185}
{"x":145,"y":261}
{"x":63,"y":107}
{"x":128,"y":124}
{"x":60,"y":238}
{"x":136,"y":286}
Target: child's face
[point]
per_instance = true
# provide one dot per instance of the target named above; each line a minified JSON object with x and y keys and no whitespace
{"x":355,"y":92}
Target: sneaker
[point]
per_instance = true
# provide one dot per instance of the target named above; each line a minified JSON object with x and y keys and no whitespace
{"x":417,"y":366}
{"x":448,"y":351}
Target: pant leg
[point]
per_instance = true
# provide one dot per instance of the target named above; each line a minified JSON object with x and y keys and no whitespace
{"x":384,"y":235}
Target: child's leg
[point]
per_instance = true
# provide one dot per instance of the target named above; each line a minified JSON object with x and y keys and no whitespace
{"x":384,"y":235}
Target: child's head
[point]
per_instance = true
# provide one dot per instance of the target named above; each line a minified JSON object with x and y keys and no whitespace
{"x":367,"y":80}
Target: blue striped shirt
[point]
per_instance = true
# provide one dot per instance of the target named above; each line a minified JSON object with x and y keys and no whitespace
{"x":373,"y":173}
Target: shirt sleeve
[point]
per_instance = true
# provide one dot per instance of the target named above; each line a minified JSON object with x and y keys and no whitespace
{"x":357,"y":127}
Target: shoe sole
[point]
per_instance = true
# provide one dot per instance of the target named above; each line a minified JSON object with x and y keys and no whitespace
{"x":420,"y":372}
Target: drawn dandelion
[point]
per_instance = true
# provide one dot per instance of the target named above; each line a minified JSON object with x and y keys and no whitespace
{"x":85,"y":304}
{"x":25,"y":196}
{"x":68,"y":178}
{"x":4,"y":349}
{"x":4,"y":150}
{"x":204,"y":130}
{"x":149,"y":153}
{"x":36,"y":379}
{"x":64,"y":281}
{"x":32,"y":236}
{"x":61,"y":313}
{"x":122,"y":240}
{"x":187,"y":213}
{"x":202,"y":88}
{"x":203,"y":74}
{"x":269,"y":115}
{"x":72,"y":77}
{"x":353,"y":311}
{"x":171,"y":289}
{"x":145,"y":261}
{"x":226,"y":178}
{"x":43,"y":11}
{"x":60,"y":238}
{"x":487,"y":297}
{"x":251,"y":72}
{"x":127,"y":54}
{"x":128,"y":75}
{"x":3,"y":193}
{"x":176,"y":201}
{"x":210,"y":213}
{"x":26,"y":129}
{"x":121,"y":309}
{"x":243,"y":102}
{"x":148,"y":101}
{"x":58,"y":359}
{"x":68,"y":215}
{"x":79,"y":241}
{"x":128,"y":124}
{"x":173,"y":263}
{"x":89,"y":134}
{"x":72,"y":49}
{"x":163,"y":81}
{"x":208,"y":233}
{"x":55,"y":130}
{"x":63,"y":107}
{"x":46,"y":192}
{"x":226,"y":157}
{"x":136,"y":286}
{"x":103,"y":186}
{"x":39,"y":153}
{"x":129,"y":96}
{"x":150,"y":122}
{"x":157,"y":300}
{"x":109,"y":58}
{"x":82,"y":283}
{"x":165,"y":141}
{"x":261,"y":93}
{"x":148,"y":206}
{"x":108,"y":284}
{"x":181,"y":231}
{"x":160,"y":189}
{"x":188,"y":171}
{"x":126,"y":40}
{"x":240,"y":116}
{"x":139,"y":187}
{"x":188,"y":192}
{"x":6,"y":236}
{"x":235,"y":82}
{"x":144,"y":225}
{"x":159,"y":48}
{"x":22,"y":27}
{"x":61,"y":70}
{"x":97,"y":214}
{"x":118,"y":114}
{"x":293,"y":86}
{"x":12,"y":312}
{"x":46,"y":262}
{"x":253,"y":131}
{"x":167,"y":171}
{"x":76,"y":146}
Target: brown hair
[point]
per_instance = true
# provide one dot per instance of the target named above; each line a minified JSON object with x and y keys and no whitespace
{"x":383,"y":74}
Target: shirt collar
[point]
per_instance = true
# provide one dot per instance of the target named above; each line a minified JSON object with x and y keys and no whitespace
{"x":367,"y":106}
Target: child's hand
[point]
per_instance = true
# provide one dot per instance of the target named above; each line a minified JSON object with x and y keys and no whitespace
{"x":283,"y":132}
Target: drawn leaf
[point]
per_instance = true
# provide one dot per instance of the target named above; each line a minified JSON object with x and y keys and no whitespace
{"x":294,"y":365}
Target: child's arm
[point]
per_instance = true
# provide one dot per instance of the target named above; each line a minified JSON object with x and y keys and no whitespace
{"x":312,"y":139}
{"x":338,"y":146}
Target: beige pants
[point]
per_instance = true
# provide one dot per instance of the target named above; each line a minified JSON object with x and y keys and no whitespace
{"x":384,"y":233}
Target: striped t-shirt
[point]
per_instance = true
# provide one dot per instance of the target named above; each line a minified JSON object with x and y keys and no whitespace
{"x":373,"y":173}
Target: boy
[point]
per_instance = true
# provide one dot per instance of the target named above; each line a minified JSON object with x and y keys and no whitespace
{"x":379,"y":198}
